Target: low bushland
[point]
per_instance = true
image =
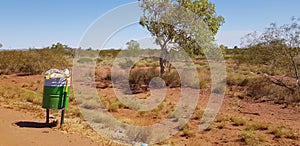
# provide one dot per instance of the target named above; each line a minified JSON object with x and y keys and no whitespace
{"x":32,"y":61}
{"x":261,"y":82}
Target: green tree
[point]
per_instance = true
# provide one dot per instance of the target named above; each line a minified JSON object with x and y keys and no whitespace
{"x":63,"y":49}
{"x":223,"y":48}
{"x":278,"y":47}
{"x":205,"y":11}
{"x":180,"y":24}
{"x":59,"y":46}
{"x":133,"y":45}
{"x":1,"y":45}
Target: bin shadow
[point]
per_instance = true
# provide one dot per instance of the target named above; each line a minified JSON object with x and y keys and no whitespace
{"x":26,"y":124}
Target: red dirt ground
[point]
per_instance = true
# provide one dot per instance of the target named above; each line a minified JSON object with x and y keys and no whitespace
{"x":13,"y":135}
{"x":275,"y":115}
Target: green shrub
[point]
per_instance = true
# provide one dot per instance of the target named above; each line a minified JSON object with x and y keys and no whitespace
{"x":257,"y":126}
{"x":198,"y":114}
{"x":21,"y":94}
{"x":85,"y":60}
{"x":172,"y":79}
{"x":283,"y":132}
{"x":126,"y":63}
{"x":251,"y":137}
{"x":114,"y":106}
{"x":220,"y":119}
{"x":238,"y":121}
{"x":187,"y":132}
{"x":221,"y":125}
{"x":235,"y":79}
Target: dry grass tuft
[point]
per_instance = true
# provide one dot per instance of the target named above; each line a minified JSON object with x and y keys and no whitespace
{"x":238,"y":121}
{"x":284,"y":132}
{"x":257,"y":126}
{"x":251,"y":137}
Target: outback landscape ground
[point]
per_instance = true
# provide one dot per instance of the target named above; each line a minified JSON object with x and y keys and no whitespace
{"x":256,"y":84}
{"x":249,"y":115}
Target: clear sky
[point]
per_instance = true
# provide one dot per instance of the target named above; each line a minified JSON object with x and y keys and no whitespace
{"x":40,"y":23}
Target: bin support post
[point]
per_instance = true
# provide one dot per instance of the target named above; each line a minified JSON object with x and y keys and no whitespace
{"x":64,"y":103}
{"x":47,"y":116}
{"x":63,"y":110}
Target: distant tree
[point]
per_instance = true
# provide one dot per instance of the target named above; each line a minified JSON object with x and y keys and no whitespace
{"x":223,"y":48}
{"x":278,"y":47}
{"x":63,"y":49}
{"x":184,"y":33}
{"x":1,"y":45}
{"x":133,"y":45}
{"x":59,"y":46}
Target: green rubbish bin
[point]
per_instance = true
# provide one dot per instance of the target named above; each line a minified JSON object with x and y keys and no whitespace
{"x":54,"y":89}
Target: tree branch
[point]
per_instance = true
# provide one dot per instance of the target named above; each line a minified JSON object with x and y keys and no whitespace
{"x":279,"y":82}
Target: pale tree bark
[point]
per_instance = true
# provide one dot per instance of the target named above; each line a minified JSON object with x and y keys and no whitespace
{"x":163,"y":60}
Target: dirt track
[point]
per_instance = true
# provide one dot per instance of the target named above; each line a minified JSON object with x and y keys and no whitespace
{"x":18,"y":128}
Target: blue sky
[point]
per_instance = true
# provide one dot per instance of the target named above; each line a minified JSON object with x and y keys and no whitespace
{"x":40,"y":23}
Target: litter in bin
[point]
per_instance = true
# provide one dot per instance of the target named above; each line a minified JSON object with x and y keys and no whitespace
{"x":56,"y":73}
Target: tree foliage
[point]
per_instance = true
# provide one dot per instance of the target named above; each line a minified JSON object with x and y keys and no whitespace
{"x":205,"y":11}
{"x":180,"y":24}
{"x":279,"y":47}
{"x":133,"y":45}
{"x":60,"y":48}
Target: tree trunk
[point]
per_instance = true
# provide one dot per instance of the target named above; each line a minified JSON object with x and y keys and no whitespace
{"x":163,"y":61}
{"x":295,"y":70}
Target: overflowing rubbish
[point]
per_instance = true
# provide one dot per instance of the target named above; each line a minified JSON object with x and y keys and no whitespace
{"x":56,"y":73}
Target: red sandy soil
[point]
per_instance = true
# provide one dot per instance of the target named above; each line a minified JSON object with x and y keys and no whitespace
{"x":30,"y":132}
{"x":250,"y":110}
{"x":21,"y":125}
{"x":268,"y":112}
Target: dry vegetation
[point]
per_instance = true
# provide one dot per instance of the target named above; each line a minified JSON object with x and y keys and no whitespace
{"x":33,"y":61}
{"x":236,"y":124}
